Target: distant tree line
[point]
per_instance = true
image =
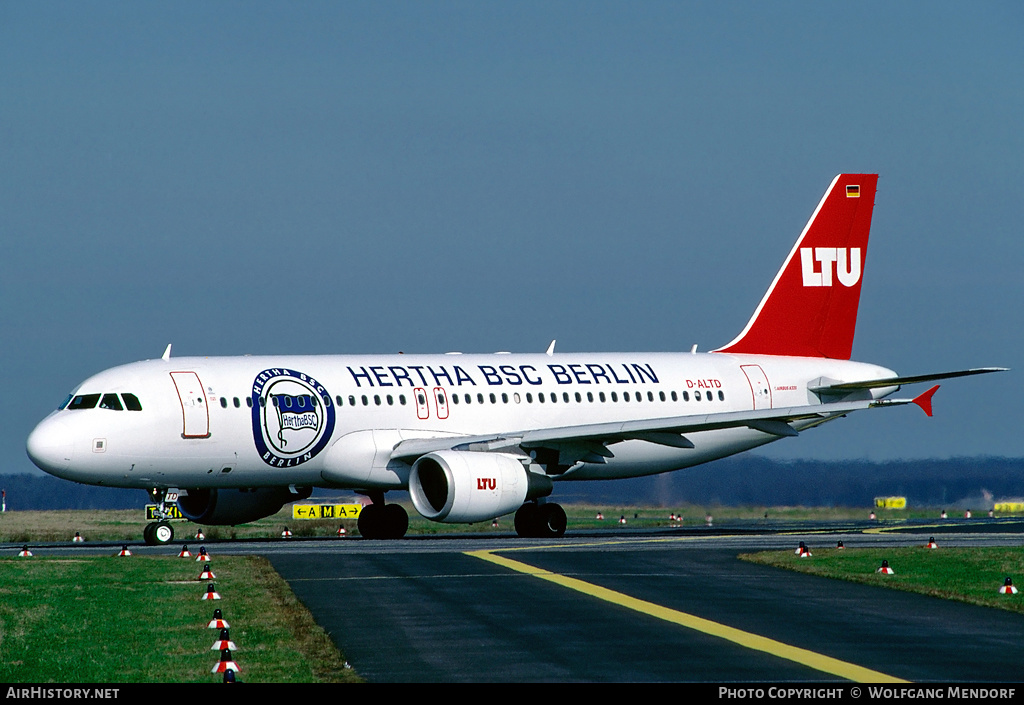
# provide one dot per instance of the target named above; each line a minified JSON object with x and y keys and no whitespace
{"x":754,"y":480}
{"x":742,"y":480}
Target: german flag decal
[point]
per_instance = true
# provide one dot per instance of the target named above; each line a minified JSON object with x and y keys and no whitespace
{"x":853,"y":191}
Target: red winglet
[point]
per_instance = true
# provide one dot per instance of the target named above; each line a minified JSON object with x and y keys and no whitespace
{"x":925,"y":400}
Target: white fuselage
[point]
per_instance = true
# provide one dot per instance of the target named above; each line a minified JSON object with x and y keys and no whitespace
{"x":334,"y":420}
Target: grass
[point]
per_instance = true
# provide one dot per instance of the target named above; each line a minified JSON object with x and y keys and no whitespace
{"x":127,"y":525}
{"x":141,"y":619}
{"x":972,"y":575}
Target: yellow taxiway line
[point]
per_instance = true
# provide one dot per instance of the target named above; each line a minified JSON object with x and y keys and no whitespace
{"x":811,"y":659}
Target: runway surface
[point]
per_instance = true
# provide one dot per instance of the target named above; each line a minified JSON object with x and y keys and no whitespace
{"x":441,"y":610}
{"x":636,"y":606}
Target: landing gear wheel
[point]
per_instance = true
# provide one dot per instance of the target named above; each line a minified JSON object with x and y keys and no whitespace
{"x":553,"y":520}
{"x":383,"y":521}
{"x":396,"y":521}
{"x":526,"y":520}
{"x":369,"y":522}
{"x":163,"y":533}
{"x":540,"y":521}
{"x":147,"y":535}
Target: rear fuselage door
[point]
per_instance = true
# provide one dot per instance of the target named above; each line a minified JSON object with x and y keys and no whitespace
{"x":758,"y":386}
{"x":195,"y":416}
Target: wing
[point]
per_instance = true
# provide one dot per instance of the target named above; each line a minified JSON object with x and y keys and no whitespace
{"x":562,"y":447}
{"x":824,"y":387}
{"x":589,"y":442}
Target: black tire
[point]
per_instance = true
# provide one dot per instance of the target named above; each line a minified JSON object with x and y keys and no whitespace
{"x":163,"y":533}
{"x":396,"y":521}
{"x":552,"y":520}
{"x":526,"y":521}
{"x":369,"y":522}
{"x":147,"y":534}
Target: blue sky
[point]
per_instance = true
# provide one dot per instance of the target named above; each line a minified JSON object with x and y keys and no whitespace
{"x":372,"y":177}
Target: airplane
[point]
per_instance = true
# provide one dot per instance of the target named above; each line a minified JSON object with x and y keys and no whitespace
{"x":477,"y":436}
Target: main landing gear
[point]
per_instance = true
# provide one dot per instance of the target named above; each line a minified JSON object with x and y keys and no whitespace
{"x":382,"y":521}
{"x":540,"y":521}
{"x":160,"y":532}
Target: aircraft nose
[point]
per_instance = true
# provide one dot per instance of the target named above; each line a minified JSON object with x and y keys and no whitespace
{"x":49,"y":446}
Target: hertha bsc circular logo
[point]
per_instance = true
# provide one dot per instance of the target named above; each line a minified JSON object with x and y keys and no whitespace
{"x":292,"y":417}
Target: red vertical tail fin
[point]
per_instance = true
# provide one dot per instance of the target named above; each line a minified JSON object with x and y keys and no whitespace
{"x":810,"y":310}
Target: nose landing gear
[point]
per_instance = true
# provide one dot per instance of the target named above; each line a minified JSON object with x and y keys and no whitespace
{"x":160,"y":532}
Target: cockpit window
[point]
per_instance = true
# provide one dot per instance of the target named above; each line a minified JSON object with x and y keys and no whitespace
{"x":131,"y":402}
{"x":64,"y":404}
{"x":110,"y":401}
{"x":84,"y":401}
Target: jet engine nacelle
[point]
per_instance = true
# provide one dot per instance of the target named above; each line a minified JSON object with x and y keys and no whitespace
{"x":220,"y":507}
{"x":462,"y":487}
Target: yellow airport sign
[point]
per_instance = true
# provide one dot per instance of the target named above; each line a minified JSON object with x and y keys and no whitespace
{"x":326,"y":511}
{"x":172,"y":509}
{"x":891,"y":502}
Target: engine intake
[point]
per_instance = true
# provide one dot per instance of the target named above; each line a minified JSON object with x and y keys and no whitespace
{"x":462,"y":487}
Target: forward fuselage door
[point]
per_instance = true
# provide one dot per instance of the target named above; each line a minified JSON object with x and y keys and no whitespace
{"x":195,"y":416}
{"x":758,"y":386}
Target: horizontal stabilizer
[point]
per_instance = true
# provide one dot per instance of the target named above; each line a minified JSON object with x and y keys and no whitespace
{"x":897,"y":381}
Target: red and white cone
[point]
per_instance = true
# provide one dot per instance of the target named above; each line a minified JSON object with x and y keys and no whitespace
{"x":200,"y":536}
{"x":78,"y":538}
{"x":207,"y":574}
{"x":225,"y":664}
{"x":210,"y":593}
{"x":202,"y":555}
{"x":24,"y":552}
{"x":840,"y":545}
{"x":622,"y":519}
{"x":341,"y":532}
{"x":286,"y":534}
{"x":494,"y":524}
{"x":218,"y":621}
{"x":600,"y":516}
{"x":885,"y":569}
{"x":1008,"y":588}
{"x":224,"y":642}
{"x":806,"y":553}
{"x":801,"y":548}
{"x":931,"y":543}
{"x":184,"y":553}
{"x":124,"y":551}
